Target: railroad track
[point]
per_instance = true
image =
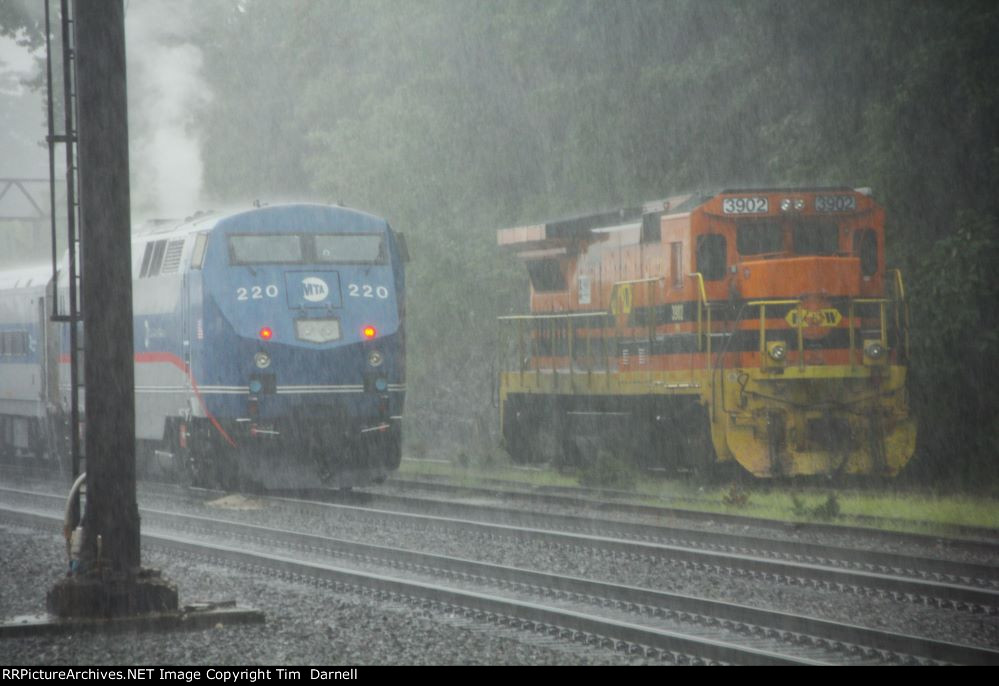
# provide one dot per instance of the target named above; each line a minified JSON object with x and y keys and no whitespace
{"x":661,"y":626}
{"x":619,"y":502}
{"x":928,"y":581}
{"x":680,"y":540}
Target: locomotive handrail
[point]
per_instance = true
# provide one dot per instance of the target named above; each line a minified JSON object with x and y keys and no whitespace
{"x":649,"y":279}
{"x":898,"y":283}
{"x":762,"y":304}
{"x":697,"y":276}
{"x":651,"y":302}
{"x":572,"y":315}
{"x":851,"y":317}
{"x":702,"y":306}
{"x":883,"y":328}
{"x":901,"y":310}
{"x":538,"y":320}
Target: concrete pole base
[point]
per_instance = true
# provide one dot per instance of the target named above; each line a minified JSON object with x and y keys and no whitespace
{"x":93,"y":597}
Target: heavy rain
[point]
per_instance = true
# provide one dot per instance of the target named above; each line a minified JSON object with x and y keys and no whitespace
{"x":552,"y":331}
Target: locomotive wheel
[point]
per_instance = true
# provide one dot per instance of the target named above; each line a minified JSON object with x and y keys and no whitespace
{"x":532,"y":434}
{"x":393,"y":452}
{"x":519,"y":447}
{"x":579,"y":451}
{"x":194,"y":469}
{"x":203,"y":462}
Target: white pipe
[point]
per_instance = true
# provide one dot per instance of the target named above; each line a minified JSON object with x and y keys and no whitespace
{"x":67,"y":526}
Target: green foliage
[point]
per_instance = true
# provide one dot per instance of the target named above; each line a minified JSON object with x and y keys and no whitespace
{"x":827,"y":510}
{"x":737,"y":496}
{"x":609,"y":471}
{"x":955,"y":348}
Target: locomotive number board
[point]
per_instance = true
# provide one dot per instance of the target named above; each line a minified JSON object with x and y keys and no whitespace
{"x":751,"y":205}
{"x":835,"y":203}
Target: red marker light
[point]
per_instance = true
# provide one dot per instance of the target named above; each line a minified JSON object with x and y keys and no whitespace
{"x":369,"y":332}
{"x":266,"y":333}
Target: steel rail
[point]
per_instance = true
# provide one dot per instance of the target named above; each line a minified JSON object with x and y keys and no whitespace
{"x":942,"y":594}
{"x":920,"y":567}
{"x":789,"y":627}
{"x":830,"y":637}
{"x":986,"y":541}
{"x":632,"y":638}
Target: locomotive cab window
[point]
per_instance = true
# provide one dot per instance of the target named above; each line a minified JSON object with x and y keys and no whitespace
{"x":815,"y":237}
{"x":652,"y":227}
{"x":865,"y":246}
{"x":350,"y":248}
{"x":759,"y":237}
{"x":198,"y":254}
{"x":546,"y":276}
{"x":265,"y":249}
{"x":712,"y":256}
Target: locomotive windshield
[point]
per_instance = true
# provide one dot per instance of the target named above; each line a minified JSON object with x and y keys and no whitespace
{"x":350,"y":249}
{"x":815,"y":237}
{"x":254,"y":249}
{"x":759,"y":237}
{"x":808,"y":236}
{"x":265,"y":249}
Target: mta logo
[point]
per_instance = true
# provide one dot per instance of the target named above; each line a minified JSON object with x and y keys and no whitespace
{"x":314,"y":289}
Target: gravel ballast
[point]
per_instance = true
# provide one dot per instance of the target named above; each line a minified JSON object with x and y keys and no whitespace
{"x":307,"y":625}
{"x":304,"y":625}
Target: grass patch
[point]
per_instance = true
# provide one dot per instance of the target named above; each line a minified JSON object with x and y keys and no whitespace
{"x":895,"y":507}
{"x":608,"y":471}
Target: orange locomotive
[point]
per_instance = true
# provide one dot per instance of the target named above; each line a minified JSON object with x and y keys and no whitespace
{"x":755,"y":326}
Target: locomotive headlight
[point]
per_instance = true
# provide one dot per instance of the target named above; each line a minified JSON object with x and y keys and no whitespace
{"x":317,"y":330}
{"x":799,"y":204}
{"x":874,"y":350}
{"x":785,"y":204}
{"x":375,"y":358}
{"x":777,"y":351}
{"x":262,"y":360}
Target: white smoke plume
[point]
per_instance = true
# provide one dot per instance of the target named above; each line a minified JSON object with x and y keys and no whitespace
{"x":167,"y":92}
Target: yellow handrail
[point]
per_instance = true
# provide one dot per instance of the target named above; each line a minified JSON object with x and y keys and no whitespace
{"x":703,"y":340}
{"x":700,"y":284}
{"x":898,"y":283}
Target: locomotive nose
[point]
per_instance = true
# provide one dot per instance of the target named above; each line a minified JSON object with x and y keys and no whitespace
{"x":792,"y":276}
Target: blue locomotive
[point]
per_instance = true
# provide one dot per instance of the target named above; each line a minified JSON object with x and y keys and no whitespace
{"x":269,"y":346}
